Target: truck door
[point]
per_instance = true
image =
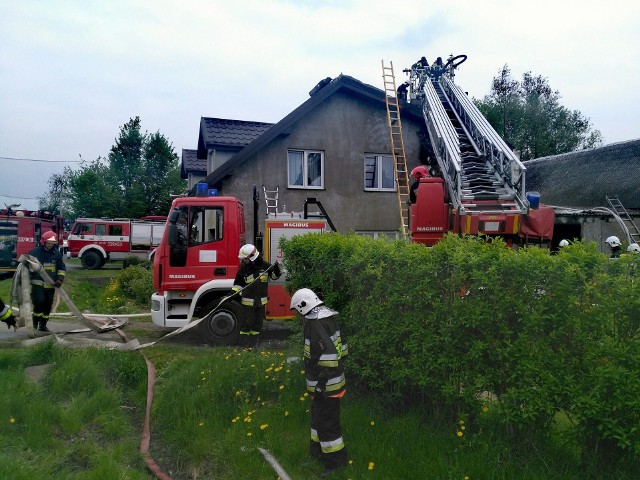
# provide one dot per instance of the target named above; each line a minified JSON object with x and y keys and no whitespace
{"x":200,"y":251}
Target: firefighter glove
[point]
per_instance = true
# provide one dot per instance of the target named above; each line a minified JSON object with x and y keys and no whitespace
{"x":11,"y":322}
{"x":58,"y":283}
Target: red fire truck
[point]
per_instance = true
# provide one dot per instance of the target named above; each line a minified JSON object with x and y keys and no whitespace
{"x":197,"y":261}
{"x":20,"y":231}
{"x":97,"y":240}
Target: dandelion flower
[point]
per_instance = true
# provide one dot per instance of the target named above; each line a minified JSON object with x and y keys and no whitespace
{"x":372,"y":423}
{"x":263,"y":426}
{"x":485,"y":409}
{"x":466,"y":477}
{"x":281,"y":387}
{"x":249,"y":434}
{"x":462,"y":427}
{"x":286,"y":414}
{"x":371,"y":465}
{"x":350,"y":462}
{"x":461,"y":422}
{"x":459,"y":434}
{"x":306,"y":394}
{"x":12,"y":420}
{"x":201,"y":424}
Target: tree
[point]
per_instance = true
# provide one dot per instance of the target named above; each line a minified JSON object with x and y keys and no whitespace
{"x":528,"y":115}
{"x":53,"y":200}
{"x":134,"y":180}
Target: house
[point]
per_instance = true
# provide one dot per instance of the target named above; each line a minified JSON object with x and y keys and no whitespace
{"x":191,"y":168}
{"x":335,"y":147}
{"x":577,"y":184}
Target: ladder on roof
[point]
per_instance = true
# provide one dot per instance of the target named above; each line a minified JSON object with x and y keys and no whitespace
{"x":632,"y":228}
{"x":397,"y":145}
{"x":271,"y":199}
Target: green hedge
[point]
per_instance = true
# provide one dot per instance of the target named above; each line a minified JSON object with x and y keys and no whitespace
{"x":471,"y":325}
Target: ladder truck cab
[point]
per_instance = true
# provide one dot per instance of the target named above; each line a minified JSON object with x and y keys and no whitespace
{"x":20,"y":232}
{"x":479,"y":187}
{"x":98,"y":240}
{"x":197,"y":260}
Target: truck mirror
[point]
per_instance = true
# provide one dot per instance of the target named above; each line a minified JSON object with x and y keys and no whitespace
{"x":174,"y":215}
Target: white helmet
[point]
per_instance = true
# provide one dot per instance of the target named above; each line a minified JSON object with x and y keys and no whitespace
{"x":613,"y":241}
{"x":248,"y":251}
{"x":304,"y":300}
{"x":563,"y":243}
{"x":634,"y":247}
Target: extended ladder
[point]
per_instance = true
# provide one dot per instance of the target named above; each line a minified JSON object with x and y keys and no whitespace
{"x":397,"y":144}
{"x":632,"y":228}
{"x":271,"y":198}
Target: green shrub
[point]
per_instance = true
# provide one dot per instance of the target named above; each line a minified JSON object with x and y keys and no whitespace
{"x":470,"y":323}
{"x":132,"y":288}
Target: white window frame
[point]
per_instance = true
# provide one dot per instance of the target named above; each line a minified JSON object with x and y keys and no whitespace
{"x":378,"y":167}
{"x":305,"y":169}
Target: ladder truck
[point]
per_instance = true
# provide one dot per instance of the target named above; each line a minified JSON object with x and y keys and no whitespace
{"x":479,"y":188}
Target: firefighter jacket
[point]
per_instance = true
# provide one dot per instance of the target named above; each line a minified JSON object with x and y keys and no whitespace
{"x":255,"y":278}
{"x":5,"y":311}
{"x":53,"y":264}
{"x":323,"y":352}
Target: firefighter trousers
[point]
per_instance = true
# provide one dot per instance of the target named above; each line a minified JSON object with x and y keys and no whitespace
{"x":327,"y":444}
{"x":42,"y":299}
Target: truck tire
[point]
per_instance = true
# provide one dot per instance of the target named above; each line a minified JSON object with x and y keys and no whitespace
{"x":223,"y":328}
{"x":91,"y":260}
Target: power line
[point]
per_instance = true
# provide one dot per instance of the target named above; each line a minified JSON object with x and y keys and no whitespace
{"x":19,"y":198}
{"x":36,"y":160}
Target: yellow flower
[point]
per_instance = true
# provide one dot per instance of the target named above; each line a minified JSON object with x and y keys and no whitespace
{"x":281,"y":387}
{"x":12,"y":420}
{"x":372,"y":423}
{"x":249,"y":434}
{"x":201,"y":424}
{"x":371,"y":465}
{"x":462,"y":427}
{"x":485,"y":409}
{"x":286,"y":414}
{"x":460,"y":434}
{"x":263,"y":426}
{"x":466,"y":477}
{"x":306,"y":394}
{"x":461,"y":422}
{"x":350,"y":462}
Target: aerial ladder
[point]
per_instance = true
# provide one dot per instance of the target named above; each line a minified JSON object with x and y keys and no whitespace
{"x":483,"y":178}
{"x":397,"y":145}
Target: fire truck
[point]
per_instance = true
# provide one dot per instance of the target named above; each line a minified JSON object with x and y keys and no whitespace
{"x":98,"y":240}
{"x":477,"y":184}
{"x":20,"y":232}
{"x":197,"y":260}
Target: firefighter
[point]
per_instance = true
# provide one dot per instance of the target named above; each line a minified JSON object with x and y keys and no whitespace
{"x":42,"y":293}
{"x":402,"y":91}
{"x":6,"y":316}
{"x":323,"y":353}
{"x":254,"y":275}
{"x":614,"y":244}
{"x":633,"y":248}
{"x":417,"y":173}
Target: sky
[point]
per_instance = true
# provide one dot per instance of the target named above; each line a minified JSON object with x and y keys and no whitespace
{"x":73,"y":72}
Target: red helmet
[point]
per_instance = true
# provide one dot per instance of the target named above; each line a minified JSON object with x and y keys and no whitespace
{"x":419,"y":172}
{"x":49,"y":237}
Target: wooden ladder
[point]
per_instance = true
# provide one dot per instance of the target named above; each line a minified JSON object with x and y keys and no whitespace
{"x":632,"y":228}
{"x":397,"y":145}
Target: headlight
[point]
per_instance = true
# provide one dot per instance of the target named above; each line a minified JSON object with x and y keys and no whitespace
{"x":155,"y":305}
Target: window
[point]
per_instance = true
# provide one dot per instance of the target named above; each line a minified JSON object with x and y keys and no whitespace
{"x":205,"y":225}
{"x":115,"y":230}
{"x":379,"y":173}
{"x":305,"y":169}
{"x":101,"y":229}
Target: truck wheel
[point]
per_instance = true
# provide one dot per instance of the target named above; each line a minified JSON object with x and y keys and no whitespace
{"x":223,"y":328}
{"x":91,"y":260}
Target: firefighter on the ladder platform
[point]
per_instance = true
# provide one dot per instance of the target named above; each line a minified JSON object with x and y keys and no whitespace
{"x":252,"y":278}
{"x":41,"y":292}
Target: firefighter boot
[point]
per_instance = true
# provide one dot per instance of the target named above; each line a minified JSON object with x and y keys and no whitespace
{"x":42,"y":326}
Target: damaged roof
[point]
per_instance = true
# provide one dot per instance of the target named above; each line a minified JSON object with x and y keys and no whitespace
{"x":584,"y":179}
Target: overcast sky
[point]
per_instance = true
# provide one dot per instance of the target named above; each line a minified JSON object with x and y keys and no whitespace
{"x":73,"y":72}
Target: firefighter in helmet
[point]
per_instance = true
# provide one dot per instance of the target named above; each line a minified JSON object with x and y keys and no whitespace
{"x":6,"y":316}
{"x":42,"y":293}
{"x":252,"y":278}
{"x":417,"y":173}
{"x":614,"y":244}
{"x":323,"y":353}
{"x":633,"y":248}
